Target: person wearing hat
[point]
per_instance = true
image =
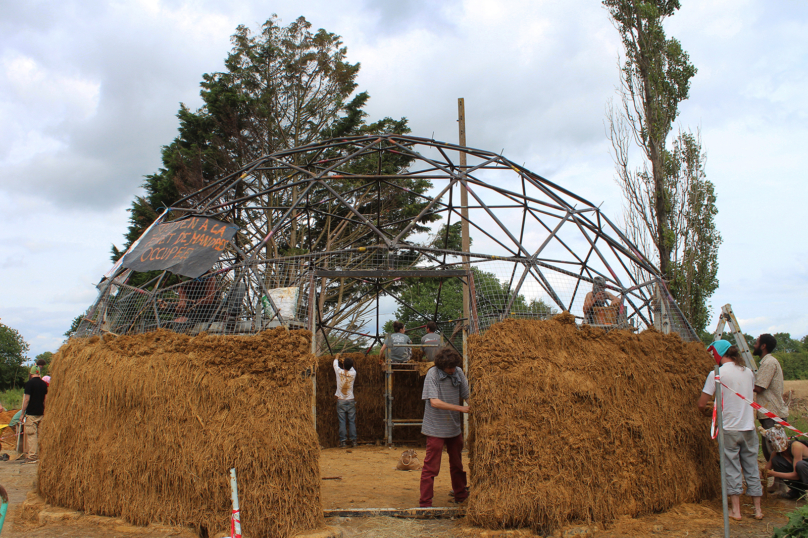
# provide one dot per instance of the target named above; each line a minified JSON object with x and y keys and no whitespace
{"x":33,"y":407}
{"x":598,"y":297}
{"x":788,"y":462}
{"x":740,"y":437}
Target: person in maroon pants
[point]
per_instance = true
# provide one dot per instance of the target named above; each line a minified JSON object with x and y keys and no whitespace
{"x":445,"y":388}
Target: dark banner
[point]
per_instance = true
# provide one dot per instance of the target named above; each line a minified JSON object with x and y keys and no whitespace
{"x":187,"y":247}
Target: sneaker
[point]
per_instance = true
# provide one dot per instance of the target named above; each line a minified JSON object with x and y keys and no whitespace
{"x":354,"y":444}
{"x":343,"y":444}
{"x":791,"y":494}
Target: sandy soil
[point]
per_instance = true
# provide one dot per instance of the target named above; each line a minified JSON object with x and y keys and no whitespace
{"x":686,"y":520}
{"x":370,"y":479}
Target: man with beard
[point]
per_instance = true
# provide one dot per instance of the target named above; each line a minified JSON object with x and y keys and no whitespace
{"x":769,"y":385}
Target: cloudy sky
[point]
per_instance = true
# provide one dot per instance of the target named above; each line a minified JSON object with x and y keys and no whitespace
{"x":89,"y":91}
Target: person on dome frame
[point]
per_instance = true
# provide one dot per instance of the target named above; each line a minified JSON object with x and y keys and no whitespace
{"x":598,"y":298}
{"x":395,"y":343}
{"x":195,"y":300}
{"x":431,"y":341}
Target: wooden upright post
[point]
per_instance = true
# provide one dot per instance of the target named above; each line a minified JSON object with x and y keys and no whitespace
{"x":464,"y":239}
{"x":464,"y":203}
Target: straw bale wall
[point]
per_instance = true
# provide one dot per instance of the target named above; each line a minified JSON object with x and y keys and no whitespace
{"x":369,"y":395}
{"x":147,"y":427}
{"x":575,"y":424}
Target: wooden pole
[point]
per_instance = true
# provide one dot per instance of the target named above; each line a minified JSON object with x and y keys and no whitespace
{"x":465,"y":244}
{"x":720,"y":425}
{"x":464,"y":200}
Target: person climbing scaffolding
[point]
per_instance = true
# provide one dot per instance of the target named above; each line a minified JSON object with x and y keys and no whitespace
{"x":346,"y":405}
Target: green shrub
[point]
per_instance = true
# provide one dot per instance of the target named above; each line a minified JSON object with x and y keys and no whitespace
{"x":797,"y":526}
{"x":795,"y":365}
{"x":11,"y":398}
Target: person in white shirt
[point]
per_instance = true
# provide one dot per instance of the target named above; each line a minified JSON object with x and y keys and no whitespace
{"x":346,"y":405}
{"x":740,"y":436}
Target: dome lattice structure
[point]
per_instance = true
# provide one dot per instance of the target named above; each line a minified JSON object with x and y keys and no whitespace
{"x":329,"y":233}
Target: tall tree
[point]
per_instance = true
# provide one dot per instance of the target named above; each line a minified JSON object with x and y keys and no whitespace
{"x":13,"y":352}
{"x":284,"y":87}
{"x":670,"y":205}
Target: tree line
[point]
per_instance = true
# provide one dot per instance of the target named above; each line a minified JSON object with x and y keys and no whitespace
{"x":791,"y":352}
{"x":13,"y":356}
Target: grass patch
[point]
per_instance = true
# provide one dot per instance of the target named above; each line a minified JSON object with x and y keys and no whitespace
{"x":12,"y":398}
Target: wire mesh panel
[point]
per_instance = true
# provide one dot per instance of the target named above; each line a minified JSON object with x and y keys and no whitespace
{"x":332,"y":234}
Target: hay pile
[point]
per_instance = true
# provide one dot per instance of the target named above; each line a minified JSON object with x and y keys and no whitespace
{"x":574,"y":424}
{"x":369,"y":395}
{"x":147,"y":427}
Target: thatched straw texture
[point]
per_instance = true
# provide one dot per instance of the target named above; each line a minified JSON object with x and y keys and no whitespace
{"x":369,"y":395}
{"x":574,"y":424}
{"x":147,"y":427}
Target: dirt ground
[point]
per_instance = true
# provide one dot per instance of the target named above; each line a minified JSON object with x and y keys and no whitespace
{"x":370,"y":479}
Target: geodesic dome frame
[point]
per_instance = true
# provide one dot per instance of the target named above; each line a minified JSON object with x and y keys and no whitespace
{"x":329,"y":228}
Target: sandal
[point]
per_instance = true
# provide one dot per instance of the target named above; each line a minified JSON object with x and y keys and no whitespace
{"x":759,"y":516}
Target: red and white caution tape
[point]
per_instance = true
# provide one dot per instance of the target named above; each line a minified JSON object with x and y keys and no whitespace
{"x":235,"y":524}
{"x":756,"y":406}
{"x":765,"y":411}
{"x":713,"y":429}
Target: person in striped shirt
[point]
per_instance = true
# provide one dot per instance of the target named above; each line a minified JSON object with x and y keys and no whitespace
{"x":445,"y":388}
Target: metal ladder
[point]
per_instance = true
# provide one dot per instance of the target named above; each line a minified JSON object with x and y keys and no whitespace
{"x":389,"y":369}
{"x":727,"y":317}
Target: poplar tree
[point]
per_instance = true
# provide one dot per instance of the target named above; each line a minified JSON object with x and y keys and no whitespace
{"x":670,"y":205}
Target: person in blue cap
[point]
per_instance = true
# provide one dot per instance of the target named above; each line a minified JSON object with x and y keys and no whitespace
{"x":740,"y":436}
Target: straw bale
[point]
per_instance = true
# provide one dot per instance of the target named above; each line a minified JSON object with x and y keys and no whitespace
{"x":147,"y":427}
{"x":369,"y":396}
{"x":574,"y":424}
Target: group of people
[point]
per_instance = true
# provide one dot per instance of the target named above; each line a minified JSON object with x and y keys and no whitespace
{"x":445,"y":389}
{"x":786,"y":460}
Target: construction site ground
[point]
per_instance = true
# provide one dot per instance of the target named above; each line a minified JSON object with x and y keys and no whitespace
{"x":702,"y":520}
{"x":368,"y":479}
